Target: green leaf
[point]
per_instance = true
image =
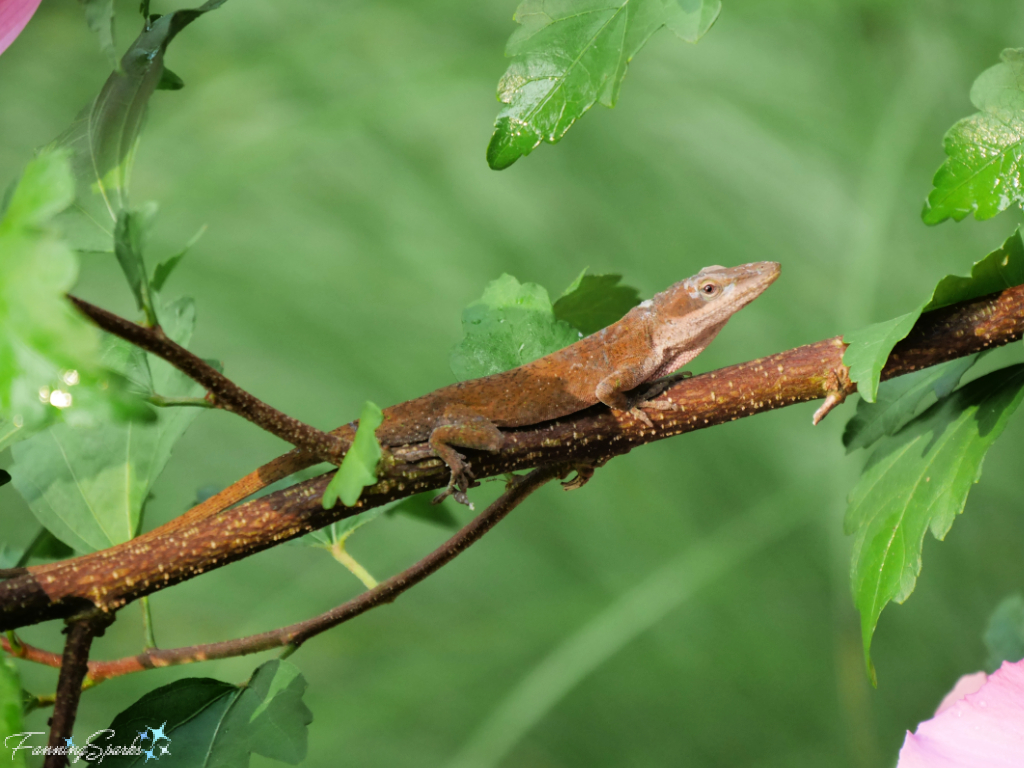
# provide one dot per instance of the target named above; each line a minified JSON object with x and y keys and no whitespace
{"x":205,"y":723}
{"x":105,"y":134}
{"x":982,"y":174}
{"x":10,"y":709}
{"x":341,"y":530}
{"x":510,"y":325}
{"x":420,"y":507}
{"x":43,"y":339}
{"x":129,"y":241}
{"x":5,"y":477}
{"x":899,"y":400}
{"x":1004,"y":637}
{"x":359,"y":467}
{"x":45,"y":546}
{"x":99,"y":15}
{"x":569,"y":54}
{"x":170,"y":81}
{"x":165,"y":268}
{"x":869,"y":348}
{"x":87,"y":484}
{"x":918,"y":480}
{"x":594,"y":302}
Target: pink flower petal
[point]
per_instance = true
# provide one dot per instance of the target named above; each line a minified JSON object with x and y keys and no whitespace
{"x":982,"y":730}
{"x":965,"y":685}
{"x":14,"y":15}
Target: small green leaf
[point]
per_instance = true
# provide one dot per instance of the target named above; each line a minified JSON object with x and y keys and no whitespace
{"x":99,"y":15}
{"x":899,"y":400}
{"x":569,"y":54}
{"x":129,"y":241}
{"x":869,"y":348}
{"x":10,"y":710}
{"x":164,"y":269}
{"x":1004,"y":637}
{"x":87,"y":484}
{"x":5,"y":477}
{"x":420,"y":507}
{"x":105,"y":134}
{"x":359,"y":467}
{"x":917,"y":480}
{"x":982,"y":174}
{"x":594,"y":302}
{"x":341,"y":530}
{"x":170,"y":81}
{"x":205,"y":723}
{"x":510,"y":325}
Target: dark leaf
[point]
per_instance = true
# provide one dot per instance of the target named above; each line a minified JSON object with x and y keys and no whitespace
{"x":594,"y":302}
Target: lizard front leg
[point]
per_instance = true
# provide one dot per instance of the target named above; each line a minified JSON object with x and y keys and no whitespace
{"x":614,"y":391}
{"x":461,"y":426}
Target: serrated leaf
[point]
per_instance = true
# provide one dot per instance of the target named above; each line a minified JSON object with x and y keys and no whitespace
{"x":129,"y":242}
{"x":899,"y":400}
{"x":510,"y":325}
{"x":99,"y":16}
{"x":42,"y":337}
{"x":869,"y":348}
{"x":917,"y":480}
{"x":420,"y":507}
{"x":10,"y":709}
{"x":982,"y":174}
{"x":359,"y":467}
{"x":569,"y":54}
{"x":205,"y":723}
{"x":594,"y":302}
{"x":88,"y":484}
{"x":1004,"y":636}
{"x":105,"y":134}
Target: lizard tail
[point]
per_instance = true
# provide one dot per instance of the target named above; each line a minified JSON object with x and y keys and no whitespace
{"x":277,"y":469}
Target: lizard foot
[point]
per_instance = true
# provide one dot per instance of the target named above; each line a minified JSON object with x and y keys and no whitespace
{"x":583,"y":474}
{"x":639,"y":415}
{"x":461,"y":480}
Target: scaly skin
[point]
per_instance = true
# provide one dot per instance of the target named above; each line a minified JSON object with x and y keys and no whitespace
{"x":653,"y":339}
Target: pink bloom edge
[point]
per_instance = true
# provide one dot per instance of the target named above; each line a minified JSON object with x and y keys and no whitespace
{"x":984,"y":729}
{"x":14,"y":15}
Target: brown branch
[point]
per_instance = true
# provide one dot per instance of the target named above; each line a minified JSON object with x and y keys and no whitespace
{"x":73,"y":668}
{"x":294,"y":635}
{"x":181,"y":550}
{"x":221,"y":391}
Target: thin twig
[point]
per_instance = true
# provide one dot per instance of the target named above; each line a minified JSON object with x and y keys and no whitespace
{"x":183,"y":548}
{"x":73,"y":669}
{"x":222,"y":392}
{"x":294,"y":635}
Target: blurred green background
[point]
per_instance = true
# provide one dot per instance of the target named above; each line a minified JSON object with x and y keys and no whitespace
{"x":691,"y":605}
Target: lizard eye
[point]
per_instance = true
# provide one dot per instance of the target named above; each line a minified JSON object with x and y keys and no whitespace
{"x":709,"y":289}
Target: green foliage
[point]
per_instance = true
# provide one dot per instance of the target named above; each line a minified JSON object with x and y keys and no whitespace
{"x":869,"y":347}
{"x":210,"y":723}
{"x":359,"y":467}
{"x":1004,"y":636}
{"x":421,"y":507}
{"x":129,"y":241}
{"x":99,"y":15}
{"x":510,"y":325}
{"x":44,"y":342}
{"x":165,"y":268}
{"x":899,"y":400}
{"x":5,"y":477}
{"x":10,"y":707}
{"x":569,"y":54}
{"x":982,"y":174}
{"x":45,"y":546}
{"x":105,"y":134}
{"x":918,"y":480}
{"x":88,"y":484}
{"x":594,"y":302}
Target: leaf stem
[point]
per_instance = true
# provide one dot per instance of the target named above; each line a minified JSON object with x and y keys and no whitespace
{"x":342,"y":555}
{"x":173,"y":402}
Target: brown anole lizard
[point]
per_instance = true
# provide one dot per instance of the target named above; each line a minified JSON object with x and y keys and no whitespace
{"x":653,"y":339}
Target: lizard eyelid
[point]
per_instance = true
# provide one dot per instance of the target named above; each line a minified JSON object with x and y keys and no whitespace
{"x":709,"y":288}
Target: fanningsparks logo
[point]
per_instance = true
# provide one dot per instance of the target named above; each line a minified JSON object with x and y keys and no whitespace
{"x":151,"y":742}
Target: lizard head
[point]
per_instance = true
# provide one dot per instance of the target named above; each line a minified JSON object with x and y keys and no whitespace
{"x":697,"y":308}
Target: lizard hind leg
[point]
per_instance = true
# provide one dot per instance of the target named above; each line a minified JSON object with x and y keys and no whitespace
{"x":462,"y":427}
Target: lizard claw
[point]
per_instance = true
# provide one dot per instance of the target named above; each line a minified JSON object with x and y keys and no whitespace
{"x":461,"y":480}
{"x":639,"y":415}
